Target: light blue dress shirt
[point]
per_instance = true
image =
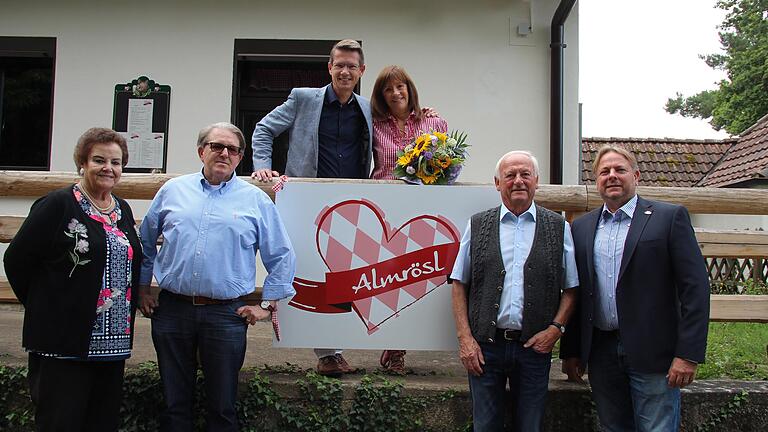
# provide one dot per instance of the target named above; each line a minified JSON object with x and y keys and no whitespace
{"x":211,"y":236}
{"x":516,"y":238}
{"x":610,"y":235}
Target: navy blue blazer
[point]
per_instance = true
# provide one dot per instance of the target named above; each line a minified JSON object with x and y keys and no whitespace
{"x":662,"y":291}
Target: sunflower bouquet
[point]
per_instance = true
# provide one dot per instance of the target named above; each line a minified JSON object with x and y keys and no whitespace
{"x":432,"y":158}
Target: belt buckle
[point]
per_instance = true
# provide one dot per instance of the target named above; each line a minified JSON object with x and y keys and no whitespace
{"x":506,"y":334}
{"x":195,"y":303}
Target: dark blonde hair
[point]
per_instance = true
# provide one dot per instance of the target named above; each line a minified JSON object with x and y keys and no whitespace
{"x":608,"y":148}
{"x":379,"y":107}
{"x":95,"y":136}
{"x":348,"y":45}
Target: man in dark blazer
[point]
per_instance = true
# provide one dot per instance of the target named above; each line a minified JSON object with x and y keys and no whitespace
{"x":643,"y":308}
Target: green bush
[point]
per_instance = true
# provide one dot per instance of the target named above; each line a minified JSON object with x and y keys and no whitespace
{"x":15,"y":404}
{"x":379,"y":404}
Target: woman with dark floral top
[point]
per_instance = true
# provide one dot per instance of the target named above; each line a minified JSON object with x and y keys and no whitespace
{"x":73,"y":265}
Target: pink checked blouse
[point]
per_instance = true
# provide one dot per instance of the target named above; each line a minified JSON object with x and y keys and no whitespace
{"x":387,"y":140}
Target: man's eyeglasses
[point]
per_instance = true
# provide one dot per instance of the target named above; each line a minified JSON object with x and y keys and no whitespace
{"x":219,"y":147}
{"x":350,"y":66}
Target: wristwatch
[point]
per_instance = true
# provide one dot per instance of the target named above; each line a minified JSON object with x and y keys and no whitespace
{"x":556,"y":324}
{"x":266,"y":305}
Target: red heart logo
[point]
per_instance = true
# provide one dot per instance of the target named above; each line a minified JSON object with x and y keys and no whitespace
{"x":376,"y":270}
{"x":365,"y":255}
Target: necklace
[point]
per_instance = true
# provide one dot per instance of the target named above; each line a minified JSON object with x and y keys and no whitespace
{"x":103,"y":210}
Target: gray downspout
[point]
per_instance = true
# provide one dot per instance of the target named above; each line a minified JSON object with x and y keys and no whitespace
{"x":557,"y":45}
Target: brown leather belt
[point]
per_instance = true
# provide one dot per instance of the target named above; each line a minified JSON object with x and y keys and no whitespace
{"x":200,"y":300}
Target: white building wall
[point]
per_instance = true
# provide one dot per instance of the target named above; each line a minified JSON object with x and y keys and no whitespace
{"x":465,"y":58}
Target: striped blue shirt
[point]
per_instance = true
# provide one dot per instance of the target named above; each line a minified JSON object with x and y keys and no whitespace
{"x":211,"y":236}
{"x":610,"y":235}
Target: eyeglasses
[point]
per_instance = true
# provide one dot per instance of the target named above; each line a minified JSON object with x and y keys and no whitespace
{"x":350,"y":66}
{"x":219,"y":147}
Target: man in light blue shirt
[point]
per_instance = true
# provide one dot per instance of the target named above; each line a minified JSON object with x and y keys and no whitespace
{"x":512,"y":296}
{"x":213,"y":224}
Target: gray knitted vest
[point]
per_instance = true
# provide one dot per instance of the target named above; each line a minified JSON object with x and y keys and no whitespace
{"x":542,"y":275}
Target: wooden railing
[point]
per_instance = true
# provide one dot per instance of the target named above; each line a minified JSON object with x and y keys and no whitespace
{"x":573,"y":199}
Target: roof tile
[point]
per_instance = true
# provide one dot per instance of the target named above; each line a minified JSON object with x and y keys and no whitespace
{"x":662,"y":161}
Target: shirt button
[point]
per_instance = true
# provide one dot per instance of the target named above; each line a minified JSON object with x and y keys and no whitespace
{"x":610,"y":295}
{"x":198,"y":253}
{"x":195,"y":274}
{"x":610,"y":276}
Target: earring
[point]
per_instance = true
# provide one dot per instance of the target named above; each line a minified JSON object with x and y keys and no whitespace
{"x":81,"y":172}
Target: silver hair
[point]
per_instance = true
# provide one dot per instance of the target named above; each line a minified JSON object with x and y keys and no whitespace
{"x":530,"y":155}
{"x":204,"y":132}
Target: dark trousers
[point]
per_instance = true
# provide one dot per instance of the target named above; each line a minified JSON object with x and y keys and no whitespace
{"x":628,"y":400}
{"x":181,"y":331}
{"x":75,"y":396}
{"x":528,"y":374}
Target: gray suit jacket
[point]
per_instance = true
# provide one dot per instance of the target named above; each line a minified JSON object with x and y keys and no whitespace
{"x":300,"y":116}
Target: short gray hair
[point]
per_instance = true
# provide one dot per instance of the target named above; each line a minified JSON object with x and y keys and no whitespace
{"x":204,"y":132}
{"x":530,"y":155}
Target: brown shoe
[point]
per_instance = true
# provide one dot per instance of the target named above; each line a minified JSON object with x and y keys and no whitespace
{"x":393,"y":362}
{"x":329,"y":366}
{"x":345,"y":367}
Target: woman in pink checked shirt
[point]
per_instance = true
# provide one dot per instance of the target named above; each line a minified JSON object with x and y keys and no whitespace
{"x":397,"y":121}
{"x":397,"y":118}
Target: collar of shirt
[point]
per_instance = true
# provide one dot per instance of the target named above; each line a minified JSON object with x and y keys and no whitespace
{"x":628,"y":208}
{"x":411,"y":118}
{"x":209,"y":187}
{"x":330,"y":97}
{"x":505,"y":211}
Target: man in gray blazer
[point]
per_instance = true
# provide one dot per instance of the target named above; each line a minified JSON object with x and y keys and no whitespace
{"x":330,"y":131}
{"x":330,"y":136}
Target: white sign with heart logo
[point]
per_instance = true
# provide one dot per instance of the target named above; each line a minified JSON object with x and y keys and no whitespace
{"x":373,"y":262}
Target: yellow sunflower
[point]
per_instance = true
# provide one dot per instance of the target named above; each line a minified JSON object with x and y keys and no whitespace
{"x":405,"y":159}
{"x":444,"y":162}
{"x":426,"y":178}
{"x":421,"y":143}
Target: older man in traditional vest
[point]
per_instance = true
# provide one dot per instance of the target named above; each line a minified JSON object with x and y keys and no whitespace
{"x":512,"y":297}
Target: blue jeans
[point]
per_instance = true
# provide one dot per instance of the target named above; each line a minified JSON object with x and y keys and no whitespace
{"x":181,"y":331}
{"x":528,"y":374}
{"x":628,"y":400}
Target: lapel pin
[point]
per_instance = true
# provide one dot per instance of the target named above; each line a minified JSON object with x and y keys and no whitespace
{"x":648,"y":212}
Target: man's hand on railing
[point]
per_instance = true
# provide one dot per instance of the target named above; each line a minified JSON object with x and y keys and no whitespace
{"x":264,"y":175}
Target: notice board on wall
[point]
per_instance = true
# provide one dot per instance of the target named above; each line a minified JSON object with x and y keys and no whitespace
{"x":141,"y":114}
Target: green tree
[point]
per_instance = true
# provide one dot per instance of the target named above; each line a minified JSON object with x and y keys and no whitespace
{"x":742,"y":98}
